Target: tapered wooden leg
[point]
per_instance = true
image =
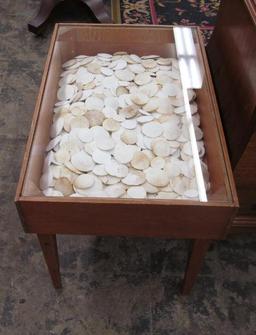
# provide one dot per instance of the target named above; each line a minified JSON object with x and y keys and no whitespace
{"x":46,"y":7}
{"x":195,"y":261}
{"x":99,"y":10}
{"x":50,"y":250}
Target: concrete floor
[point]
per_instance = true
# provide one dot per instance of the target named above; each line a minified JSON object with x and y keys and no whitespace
{"x":111,"y":286}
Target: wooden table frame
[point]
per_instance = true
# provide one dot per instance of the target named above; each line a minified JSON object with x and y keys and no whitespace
{"x":178,"y":219}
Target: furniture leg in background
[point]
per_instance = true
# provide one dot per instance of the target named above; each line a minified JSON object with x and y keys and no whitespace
{"x":37,"y":24}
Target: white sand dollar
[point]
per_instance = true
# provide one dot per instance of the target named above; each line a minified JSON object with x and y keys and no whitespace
{"x":66,"y":92}
{"x":125,"y":75}
{"x":123,"y":153}
{"x":116,"y":190}
{"x":95,"y":118}
{"x":157,"y":177}
{"x":64,"y":186}
{"x":115,"y":169}
{"x":85,"y":135}
{"x":79,"y":122}
{"x":161,"y":148}
{"x":101,"y":157}
{"x":134,"y":178}
{"x":142,"y":78}
{"x":111,"y":124}
{"x":84,"y":181}
{"x":136,"y":192}
{"x":140,"y":161}
{"x":129,"y":136}
{"x":94,"y":103}
{"x":82,"y":161}
{"x":158,"y":163}
{"x":152,"y":129}
{"x":139,"y":98}
{"x":99,"y":170}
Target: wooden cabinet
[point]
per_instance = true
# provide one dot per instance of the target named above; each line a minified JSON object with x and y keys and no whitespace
{"x":232,"y":58}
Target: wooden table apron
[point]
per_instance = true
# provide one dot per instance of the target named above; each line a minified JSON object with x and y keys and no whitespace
{"x":133,"y":218}
{"x":48,"y":216}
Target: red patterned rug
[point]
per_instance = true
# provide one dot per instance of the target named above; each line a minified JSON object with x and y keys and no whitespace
{"x":185,"y":12}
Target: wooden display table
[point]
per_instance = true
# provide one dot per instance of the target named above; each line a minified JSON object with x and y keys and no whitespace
{"x":201,"y":221}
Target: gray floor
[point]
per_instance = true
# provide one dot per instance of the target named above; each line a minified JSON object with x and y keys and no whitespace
{"x":111,"y":285}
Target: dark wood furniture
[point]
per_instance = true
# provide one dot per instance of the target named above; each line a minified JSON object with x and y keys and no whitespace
{"x":37,"y":24}
{"x":178,"y":219}
{"x":232,"y":58}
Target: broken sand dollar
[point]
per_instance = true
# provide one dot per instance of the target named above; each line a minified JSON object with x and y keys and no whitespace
{"x":157,"y":177}
{"x":129,"y":136}
{"x":82,"y":161}
{"x":136,"y":192}
{"x":152,"y":129}
{"x":142,"y":78}
{"x":161,"y":148}
{"x":111,"y":124}
{"x":140,"y":161}
{"x":121,"y":90}
{"x":64,"y":186}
